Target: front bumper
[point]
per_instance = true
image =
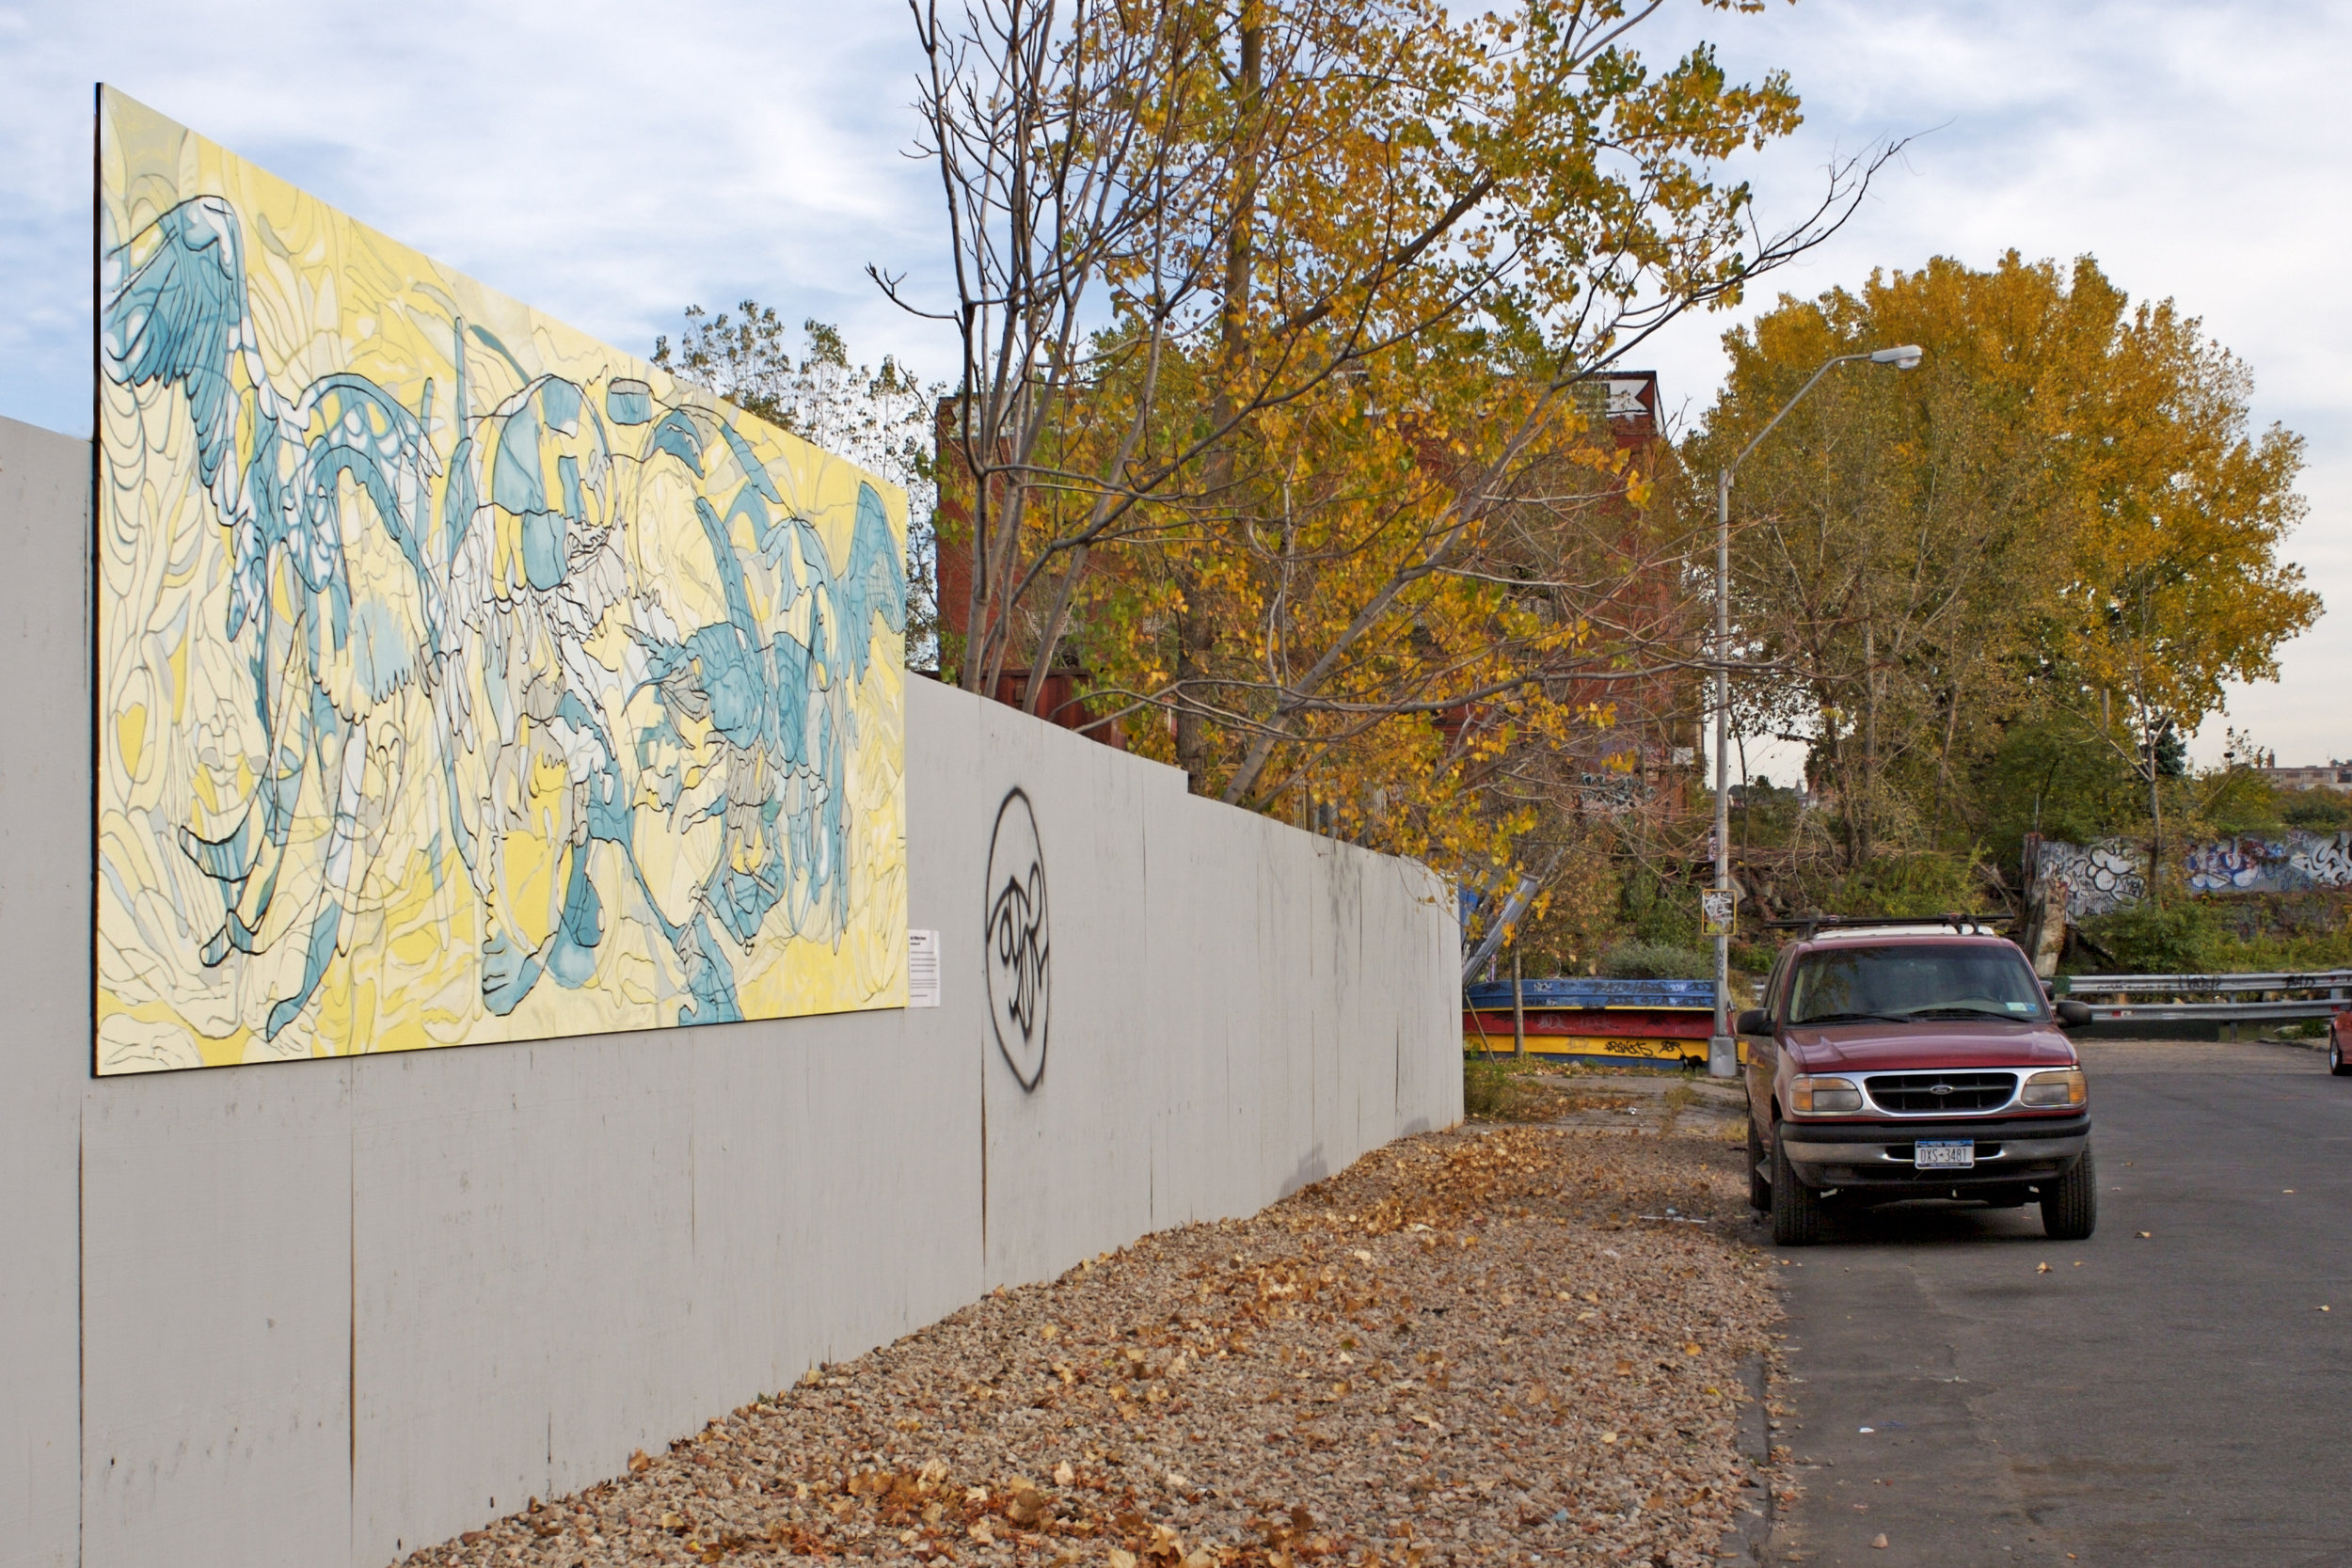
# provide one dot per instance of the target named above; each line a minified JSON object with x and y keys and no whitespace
{"x":1878,"y":1154}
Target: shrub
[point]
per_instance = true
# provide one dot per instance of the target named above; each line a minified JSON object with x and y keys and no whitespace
{"x":1655,"y":912}
{"x":2318,"y":808}
{"x":2148,"y":937}
{"x":1920,"y":884}
{"x":1657,"y":961}
{"x":1490,"y":1090}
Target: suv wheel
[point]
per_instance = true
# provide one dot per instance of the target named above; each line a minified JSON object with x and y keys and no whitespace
{"x":2070,"y":1205}
{"x":1796,"y":1208}
{"x":2336,"y":1064}
{"x":1759,"y":1190}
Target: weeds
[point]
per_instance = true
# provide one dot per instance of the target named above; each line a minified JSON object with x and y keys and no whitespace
{"x":1491,"y":1090}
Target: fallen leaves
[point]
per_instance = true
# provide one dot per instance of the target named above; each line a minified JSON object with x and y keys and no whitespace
{"x":1415,"y":1351}
{"x":1028,"y":1507}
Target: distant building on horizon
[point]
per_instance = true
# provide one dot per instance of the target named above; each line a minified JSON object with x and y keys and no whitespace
{"x":2335,"y":775}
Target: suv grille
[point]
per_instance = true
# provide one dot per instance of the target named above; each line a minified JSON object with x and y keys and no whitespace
{"x":1932,"y":1092}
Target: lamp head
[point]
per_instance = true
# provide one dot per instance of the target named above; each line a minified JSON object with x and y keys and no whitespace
{"x":1903,"y":356}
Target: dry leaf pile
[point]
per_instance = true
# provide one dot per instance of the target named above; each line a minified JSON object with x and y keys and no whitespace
{"x":1516,"y":1345}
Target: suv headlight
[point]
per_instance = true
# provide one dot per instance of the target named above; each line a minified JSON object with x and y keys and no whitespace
{"x":1816,"y":1097}
{"x":2046,"y":1090}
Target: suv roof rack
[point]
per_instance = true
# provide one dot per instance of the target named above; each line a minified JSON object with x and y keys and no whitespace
{"x":1813,"y":925}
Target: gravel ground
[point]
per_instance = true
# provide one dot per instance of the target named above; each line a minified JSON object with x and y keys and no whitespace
{"x":1499,"y":1344}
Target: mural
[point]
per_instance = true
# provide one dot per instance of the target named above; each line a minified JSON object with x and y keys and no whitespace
{"x":460,"y":678}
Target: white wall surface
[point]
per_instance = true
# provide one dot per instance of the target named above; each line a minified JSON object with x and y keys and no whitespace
{"x":324,"y":1312}
{"x":45,"y":976}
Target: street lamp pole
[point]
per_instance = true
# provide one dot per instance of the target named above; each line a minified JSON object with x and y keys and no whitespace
{"x":1722,"y":1049}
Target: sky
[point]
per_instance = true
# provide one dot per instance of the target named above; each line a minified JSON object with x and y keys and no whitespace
{"x":611,"y":165}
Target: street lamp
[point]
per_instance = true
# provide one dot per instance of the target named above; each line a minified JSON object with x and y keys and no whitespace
{"x":1723,"y":1050}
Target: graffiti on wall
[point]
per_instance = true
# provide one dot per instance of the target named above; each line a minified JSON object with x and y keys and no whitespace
{"x":2098,"y":877}
{"x":2286,"y":862}
{"x":460,"y":678}
{"x":1019,"y":939}
{"x":2104,"y":877}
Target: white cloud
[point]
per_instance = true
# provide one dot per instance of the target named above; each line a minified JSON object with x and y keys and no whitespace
{"x":608,"y":162}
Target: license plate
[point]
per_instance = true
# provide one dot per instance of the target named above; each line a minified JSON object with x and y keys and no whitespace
{"x":1947,"y":1153}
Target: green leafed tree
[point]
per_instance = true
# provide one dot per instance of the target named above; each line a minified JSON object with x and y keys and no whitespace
{"x":2020,"y":573}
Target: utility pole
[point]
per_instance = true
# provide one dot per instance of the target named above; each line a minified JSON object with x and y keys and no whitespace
{"x":1722,"y":1048}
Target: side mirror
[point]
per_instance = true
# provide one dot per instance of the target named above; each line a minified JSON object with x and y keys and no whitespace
{"x":1755,"y":1020}
{"x":2071,"y":1014}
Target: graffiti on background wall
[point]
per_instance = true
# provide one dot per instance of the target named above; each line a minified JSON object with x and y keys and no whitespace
{"x":2098,"y":877}
{"x":2104,"y":877}
{"x":2286,"y":862}
{"x":461,"y":678}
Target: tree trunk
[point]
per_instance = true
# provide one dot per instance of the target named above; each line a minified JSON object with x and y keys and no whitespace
{"x":1944,"y":769}
{"x":1195,"y":632}
{"x":1519,"y":1007}
{"x":1869,"y":741}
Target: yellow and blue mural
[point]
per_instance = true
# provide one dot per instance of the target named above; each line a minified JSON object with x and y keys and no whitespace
{"x":460,"y":678}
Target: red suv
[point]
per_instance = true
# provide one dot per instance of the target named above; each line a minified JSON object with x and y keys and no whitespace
{"x":1914,"y":1061}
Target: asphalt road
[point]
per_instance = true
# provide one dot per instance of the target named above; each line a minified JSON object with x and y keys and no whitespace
{"x":2176,"y":1399}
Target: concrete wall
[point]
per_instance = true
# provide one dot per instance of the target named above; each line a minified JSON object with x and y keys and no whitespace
{"x":324,"y":1312}
{"x":45,"y":978}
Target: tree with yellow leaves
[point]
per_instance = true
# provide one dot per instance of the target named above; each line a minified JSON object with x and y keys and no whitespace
{"x":1275,"y":314}
{"x":2062,"y":512}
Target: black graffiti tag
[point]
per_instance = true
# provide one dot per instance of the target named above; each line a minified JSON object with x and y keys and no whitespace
{"x":1016,"y":931}
{"x":1019,"y":941}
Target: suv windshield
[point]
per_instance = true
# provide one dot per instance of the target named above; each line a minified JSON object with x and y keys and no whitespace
{"x":1903,"y":981}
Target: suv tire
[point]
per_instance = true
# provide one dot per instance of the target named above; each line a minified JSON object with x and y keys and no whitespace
{"x":1796,"y":1208}
{"x":1759,"y":1190}
{"x":2070,"y":1205}
{"x":2336,"y":1064}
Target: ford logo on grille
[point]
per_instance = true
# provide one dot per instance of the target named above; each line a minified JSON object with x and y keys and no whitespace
{"x":1939,"y":1088}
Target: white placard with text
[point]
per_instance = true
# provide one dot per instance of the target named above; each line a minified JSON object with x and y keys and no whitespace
{"x":922,"y":969}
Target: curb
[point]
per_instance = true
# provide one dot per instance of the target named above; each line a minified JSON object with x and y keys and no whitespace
{"x":1751,"y":1533}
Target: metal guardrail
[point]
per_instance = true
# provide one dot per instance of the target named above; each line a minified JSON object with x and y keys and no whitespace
{"x":2235,"y":998}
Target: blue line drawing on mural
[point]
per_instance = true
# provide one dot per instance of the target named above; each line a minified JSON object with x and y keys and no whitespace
{"x":501,"y":617}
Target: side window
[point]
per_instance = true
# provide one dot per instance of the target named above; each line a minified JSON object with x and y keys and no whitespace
{"x":1775,"y":1001}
